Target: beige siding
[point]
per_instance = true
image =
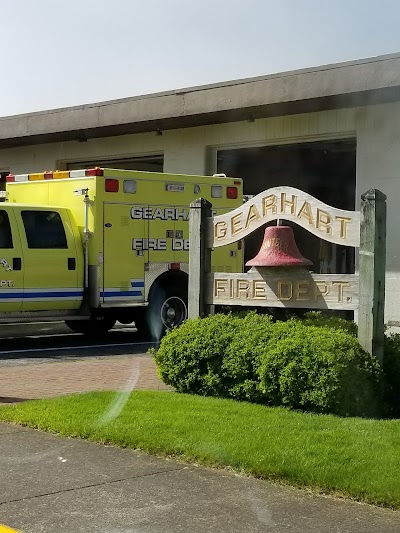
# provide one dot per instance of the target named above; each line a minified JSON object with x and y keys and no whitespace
{"x":378,"y":166}
{"x":185,"y":149}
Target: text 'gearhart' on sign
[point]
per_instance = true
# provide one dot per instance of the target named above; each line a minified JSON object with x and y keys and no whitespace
{"x":287,"y":203}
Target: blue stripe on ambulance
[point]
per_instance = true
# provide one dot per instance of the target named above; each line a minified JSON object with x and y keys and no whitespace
{"x":113,"y":293}
{"x":38,"y":294}
{"x":11,"y":294}
{"x":53,"y":294}
{"x":136,"y":291}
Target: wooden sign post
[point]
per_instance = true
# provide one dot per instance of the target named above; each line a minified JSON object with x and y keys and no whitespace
{"x":294,"y":288}
{"x":372,"y":267}
{"x":199,"y":256}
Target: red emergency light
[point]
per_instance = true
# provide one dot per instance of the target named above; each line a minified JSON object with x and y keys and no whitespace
{"x":94,"y":172}
{"x":231,"y":193}
{"x":111,"y":185}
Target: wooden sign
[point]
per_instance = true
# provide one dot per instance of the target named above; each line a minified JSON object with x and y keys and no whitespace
{"x":297,"y":288}
{"x":294,"y":287}
{"x":287,"y":203}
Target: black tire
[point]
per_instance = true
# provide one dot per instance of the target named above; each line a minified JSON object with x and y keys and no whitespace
{"x":142,"y":325}
{"x":92,"y":327}
{"x":167,"y":309}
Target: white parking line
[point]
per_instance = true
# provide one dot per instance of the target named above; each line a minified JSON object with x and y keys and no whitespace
{"x":58,"y":348}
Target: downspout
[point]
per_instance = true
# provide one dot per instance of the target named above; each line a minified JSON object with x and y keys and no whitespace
{"x":86,"y":234}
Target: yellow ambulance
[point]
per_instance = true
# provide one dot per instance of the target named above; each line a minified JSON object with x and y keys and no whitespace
{"x":99,"y":245}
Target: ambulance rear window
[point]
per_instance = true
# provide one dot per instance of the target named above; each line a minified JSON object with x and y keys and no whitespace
{"x":44,"y":229}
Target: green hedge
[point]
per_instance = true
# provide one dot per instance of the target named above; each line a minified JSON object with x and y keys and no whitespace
{"x":314,"y":364}
{"x":320,"y":369}
{"x":213,"y":356}
{"x":391,"y":371}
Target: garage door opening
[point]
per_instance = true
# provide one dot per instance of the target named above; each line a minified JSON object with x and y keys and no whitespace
{"x":3,"y":174}
{"x":326,"y":170}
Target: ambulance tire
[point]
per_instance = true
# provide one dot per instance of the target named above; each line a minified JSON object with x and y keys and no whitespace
{"x":92,"y":327}
{"x":167,"y":309}
{"x":142,"y":324}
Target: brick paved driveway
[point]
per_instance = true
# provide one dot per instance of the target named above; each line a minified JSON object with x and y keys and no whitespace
{"x":43,"y":380}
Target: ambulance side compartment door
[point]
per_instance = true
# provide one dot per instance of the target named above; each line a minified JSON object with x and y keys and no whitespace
{"x":125,"y":254}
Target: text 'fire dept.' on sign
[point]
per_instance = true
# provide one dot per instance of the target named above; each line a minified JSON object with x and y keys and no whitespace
{"x":294,"y":288}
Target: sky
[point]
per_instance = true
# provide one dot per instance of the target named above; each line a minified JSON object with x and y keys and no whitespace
{"x":59,"y":53}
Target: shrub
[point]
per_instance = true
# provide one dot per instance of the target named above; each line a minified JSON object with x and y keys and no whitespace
{"x":239,"y":366}
{"x":391,"y":370}
{"x":315,"y":318}
{"x":215,"y":356}
{"x":319,"y":369}
{"x":190,"y":357}
{"x":391,"y":359}
{"x":301,"y":364}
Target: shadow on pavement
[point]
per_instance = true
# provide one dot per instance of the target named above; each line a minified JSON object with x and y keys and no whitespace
{"x":10,"y":399}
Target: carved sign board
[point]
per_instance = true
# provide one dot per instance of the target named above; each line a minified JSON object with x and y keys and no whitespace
{"x":294,"y":287}
{"x":287,"y":203}
{"x":266,"y":287}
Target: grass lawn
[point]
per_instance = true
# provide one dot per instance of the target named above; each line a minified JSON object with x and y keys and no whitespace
{"x":344,"y":456}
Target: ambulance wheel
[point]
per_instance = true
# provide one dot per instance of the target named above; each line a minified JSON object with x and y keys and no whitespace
{"x":173,"y":310}
{"x":167,"y":309}
{"x":142,"y":324}
{"x":92,"y":327}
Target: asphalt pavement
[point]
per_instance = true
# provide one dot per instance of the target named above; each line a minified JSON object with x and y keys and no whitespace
{"x":50,"y":484}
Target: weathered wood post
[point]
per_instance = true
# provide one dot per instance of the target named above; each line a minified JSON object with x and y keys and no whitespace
{"x":199,"y":256}
{"x":372,"y":266}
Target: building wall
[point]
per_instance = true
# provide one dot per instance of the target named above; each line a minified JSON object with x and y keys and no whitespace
{"x":193,"y":151}
{"x":378,"y":166}
{"x":189,"y":150}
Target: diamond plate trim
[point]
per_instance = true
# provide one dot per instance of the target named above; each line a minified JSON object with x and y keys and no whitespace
{"x":154,"y":270}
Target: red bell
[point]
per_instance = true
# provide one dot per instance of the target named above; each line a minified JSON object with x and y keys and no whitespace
{"x":279,"y":249}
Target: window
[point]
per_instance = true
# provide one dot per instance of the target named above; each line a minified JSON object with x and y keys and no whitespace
{"x":44,"y":229}
{"x":3,"y":174}
{"x":5,"y":230}
{"x":147,"y":163}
